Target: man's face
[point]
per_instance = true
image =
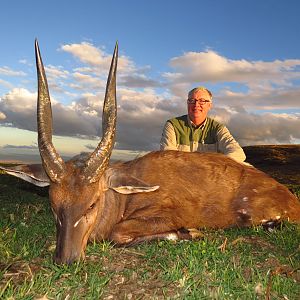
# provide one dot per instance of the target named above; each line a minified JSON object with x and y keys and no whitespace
{"x":198,"y":110}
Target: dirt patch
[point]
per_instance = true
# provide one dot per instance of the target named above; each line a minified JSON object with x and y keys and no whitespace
{"x":19,"y":271}
{"x":133,"y":278}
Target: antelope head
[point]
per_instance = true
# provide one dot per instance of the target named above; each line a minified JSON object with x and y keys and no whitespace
{"x":76,"y":188}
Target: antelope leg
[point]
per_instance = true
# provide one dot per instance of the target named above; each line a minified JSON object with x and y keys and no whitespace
{"x":135,"y":231}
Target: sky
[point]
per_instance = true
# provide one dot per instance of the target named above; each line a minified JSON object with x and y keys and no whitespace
{"x":246,"y":52}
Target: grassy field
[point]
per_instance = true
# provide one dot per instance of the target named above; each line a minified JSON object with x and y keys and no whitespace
{"x":226,"y":264}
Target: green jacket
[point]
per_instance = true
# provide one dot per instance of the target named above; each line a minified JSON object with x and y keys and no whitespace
{"x":185,"y":132}
{"x":212,"y":136}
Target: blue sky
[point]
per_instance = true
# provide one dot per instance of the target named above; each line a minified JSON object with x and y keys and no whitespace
{"x":246,"y":52}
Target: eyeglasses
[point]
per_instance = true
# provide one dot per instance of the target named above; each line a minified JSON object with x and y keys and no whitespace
{"x":200,"y":101}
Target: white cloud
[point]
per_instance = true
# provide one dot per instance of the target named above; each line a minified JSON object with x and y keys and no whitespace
{"x":267,"y":128}
{"x":19,"y":107}
{"x":56,"y":72}
{"x":267,"y":99}
{"x":9,"y":72}
{"x":84,"y":81}
{"x":25,"y":62}
{"x":95,"y":57}
{"x":211,"y":67}
{"x":19,"y":99}
{"x":240,"y":88}
{"x":141,"y":116}
{"x":92,"y":76}
{"x":6,"y":84}
{"x":138,"y":81}
{"x":86,"y":53}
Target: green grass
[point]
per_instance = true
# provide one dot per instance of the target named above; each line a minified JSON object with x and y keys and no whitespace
{"x":246,"y":263}
{"x":295,"y":189}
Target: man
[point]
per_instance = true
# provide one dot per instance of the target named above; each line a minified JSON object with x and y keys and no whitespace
{"x":197,"y":132}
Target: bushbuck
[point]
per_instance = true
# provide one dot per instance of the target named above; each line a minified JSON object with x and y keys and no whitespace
{"x":162,"y":195}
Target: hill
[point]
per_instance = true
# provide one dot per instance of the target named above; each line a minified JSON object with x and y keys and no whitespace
{"x":282,"y":162}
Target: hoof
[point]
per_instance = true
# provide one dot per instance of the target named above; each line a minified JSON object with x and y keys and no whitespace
{"x":196,"y":234}
{"x":189,"y":234}
{"x":272,"y":225}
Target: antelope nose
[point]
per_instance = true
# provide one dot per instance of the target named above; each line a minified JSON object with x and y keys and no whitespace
{"x":60,"y":260}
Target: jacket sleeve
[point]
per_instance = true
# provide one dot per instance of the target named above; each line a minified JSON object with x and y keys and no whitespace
{"x":229,"y":146}
{"x":168,"y":139}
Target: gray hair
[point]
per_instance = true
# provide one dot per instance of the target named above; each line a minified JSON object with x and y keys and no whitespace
{"x":199,"y":88}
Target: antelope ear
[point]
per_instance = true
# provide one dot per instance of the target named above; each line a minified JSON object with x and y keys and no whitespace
{"x":126,"y":184}
{"x":34,"y":174}
{"x":129,"y":189}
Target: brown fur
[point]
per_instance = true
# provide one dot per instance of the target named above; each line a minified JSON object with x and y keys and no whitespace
{"x":196,"y":190}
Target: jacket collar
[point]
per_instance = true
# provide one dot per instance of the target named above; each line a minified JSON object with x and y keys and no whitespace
{"x":192,"y":125}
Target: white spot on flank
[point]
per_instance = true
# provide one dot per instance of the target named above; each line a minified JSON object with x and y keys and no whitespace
{"x":255,"y":190}
{"x":172,"y":237}
{"x":277,"y":217}
{"x":245,"y":199}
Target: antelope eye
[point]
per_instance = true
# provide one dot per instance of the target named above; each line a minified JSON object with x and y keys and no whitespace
{"x":92,"y":206}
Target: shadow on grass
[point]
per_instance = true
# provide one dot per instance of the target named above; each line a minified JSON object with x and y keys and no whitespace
{"x":8,"y":182}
